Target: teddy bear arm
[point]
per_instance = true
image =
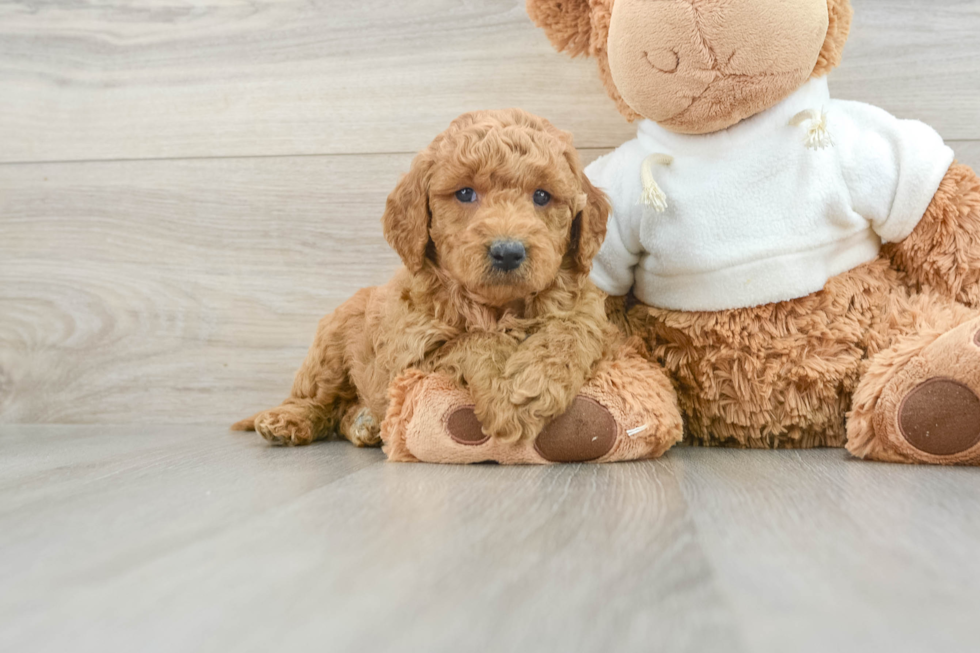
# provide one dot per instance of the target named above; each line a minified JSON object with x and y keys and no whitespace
{"x":943,"y":251}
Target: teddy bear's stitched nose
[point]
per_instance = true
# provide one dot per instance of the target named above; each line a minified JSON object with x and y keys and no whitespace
{"x":507,"y":255}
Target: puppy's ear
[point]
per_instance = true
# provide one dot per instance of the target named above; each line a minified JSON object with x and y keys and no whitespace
{"x":588,"y":226}
{"x":591,"y":212}
{"x":406,"y":217}
{"x":566,"y":23}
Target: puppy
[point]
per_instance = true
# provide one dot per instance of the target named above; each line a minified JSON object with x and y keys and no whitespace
{"x":497,"y":226}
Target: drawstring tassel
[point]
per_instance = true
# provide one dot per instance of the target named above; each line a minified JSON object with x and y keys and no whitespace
{"x":652,"y":195}
{"x":817,"y":134}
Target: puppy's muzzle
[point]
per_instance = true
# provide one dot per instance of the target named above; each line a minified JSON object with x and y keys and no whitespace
{"x":506,"y":255}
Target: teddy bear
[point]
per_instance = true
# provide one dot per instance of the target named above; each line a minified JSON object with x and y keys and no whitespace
{"x":805,"y":269}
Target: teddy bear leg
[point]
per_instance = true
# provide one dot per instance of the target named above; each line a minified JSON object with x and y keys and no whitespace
{"x":919,"y":401}
{"x":642,"y":402}
{"x":628,"y":411}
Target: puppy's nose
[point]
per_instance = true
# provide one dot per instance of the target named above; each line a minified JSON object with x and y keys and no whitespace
{"x":507,"y":255}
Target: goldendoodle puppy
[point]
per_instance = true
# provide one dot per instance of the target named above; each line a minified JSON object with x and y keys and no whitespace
{"x":497,"y":226}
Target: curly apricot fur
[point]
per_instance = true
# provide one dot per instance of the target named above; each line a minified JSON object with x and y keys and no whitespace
{"x":523,"y":344}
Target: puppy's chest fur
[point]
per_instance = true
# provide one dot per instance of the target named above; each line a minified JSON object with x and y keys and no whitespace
{"x":448,"y":347}
{"x":436,"y":336}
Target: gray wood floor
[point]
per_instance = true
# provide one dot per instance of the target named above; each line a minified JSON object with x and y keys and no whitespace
{"x":195,"y":539}
{"x":186,"y":188}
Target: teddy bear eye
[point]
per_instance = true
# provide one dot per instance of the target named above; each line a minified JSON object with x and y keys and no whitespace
{"x":541,"y":197}
{"x":466,"y":195}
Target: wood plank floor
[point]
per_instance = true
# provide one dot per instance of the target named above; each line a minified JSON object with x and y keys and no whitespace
{"x":195,"y":539}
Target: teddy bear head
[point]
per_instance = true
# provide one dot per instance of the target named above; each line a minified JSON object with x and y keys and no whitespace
{"x":699,"y":66}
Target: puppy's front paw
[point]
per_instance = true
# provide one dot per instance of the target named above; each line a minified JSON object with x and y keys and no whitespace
{"x":539,"y":396}
{"x":503,"y":421}
{"x":525,"y":388}
{"x":283,"y":427}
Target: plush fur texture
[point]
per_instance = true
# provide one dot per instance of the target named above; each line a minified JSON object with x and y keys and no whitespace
{"x":835,"y":367}
{"x":698,"y":67}
{"x":723,"y":76}
{"x":520,"y":343}
{"x":785,"y":375}
{"x":943,"y":348}
{"x":943,"y":250}
{"x":840,"y":14}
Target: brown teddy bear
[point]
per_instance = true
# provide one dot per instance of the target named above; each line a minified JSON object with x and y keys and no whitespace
{"x":806,"y":269}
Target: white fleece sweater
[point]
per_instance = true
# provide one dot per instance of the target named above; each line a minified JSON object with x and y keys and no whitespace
{"x":753,"y":214}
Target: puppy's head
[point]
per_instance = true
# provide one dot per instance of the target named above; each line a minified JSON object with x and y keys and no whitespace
{"x":499,"y":203}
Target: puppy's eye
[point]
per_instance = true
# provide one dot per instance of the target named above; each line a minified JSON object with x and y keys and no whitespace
{"x":466,"y":195}
{"x":541,"y":197}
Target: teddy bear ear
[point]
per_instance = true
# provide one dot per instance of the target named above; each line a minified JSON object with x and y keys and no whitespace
{"x":841,"y":13}
{"x":567,"y":23}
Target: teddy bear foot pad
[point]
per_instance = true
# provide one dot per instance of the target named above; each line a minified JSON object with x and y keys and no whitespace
{"x":930,"y":412}
{"x":941,"y":417}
